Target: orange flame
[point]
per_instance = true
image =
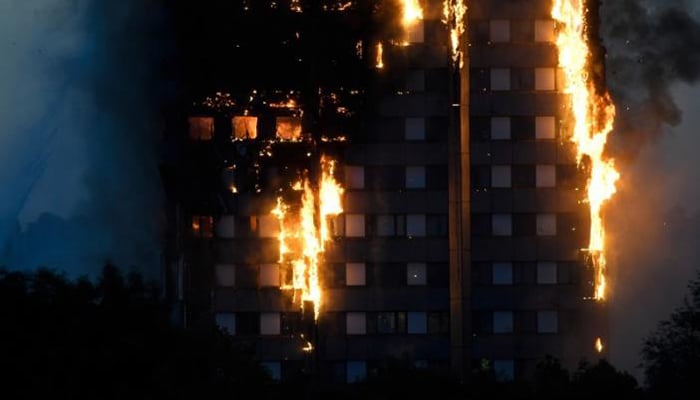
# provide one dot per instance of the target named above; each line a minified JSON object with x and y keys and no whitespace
{"x":412,"y":12}
{"x":593,"y":118}
{"x":599,"y":345}
{"x":453,"y":12}
{"x":301,"y":240}
{"x":379,"y":64}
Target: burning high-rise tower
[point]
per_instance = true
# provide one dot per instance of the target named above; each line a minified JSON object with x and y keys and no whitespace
{"x":378,"y":180}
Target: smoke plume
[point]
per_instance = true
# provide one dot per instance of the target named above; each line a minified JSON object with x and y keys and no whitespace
{"x":79,"y":121}
{"x":653,"y":56}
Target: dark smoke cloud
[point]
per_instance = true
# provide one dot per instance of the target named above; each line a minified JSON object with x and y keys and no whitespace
{"x":81,"y":127}
{"x":654,"y":222}
{"x":652,"y":45}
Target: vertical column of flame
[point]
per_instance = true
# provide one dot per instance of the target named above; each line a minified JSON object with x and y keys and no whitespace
{"x":379,"y":63}
{"x":302,"y":240}
{"x":593,"y":117}
{"x":453,"y":12}
{"x":411,"y":12}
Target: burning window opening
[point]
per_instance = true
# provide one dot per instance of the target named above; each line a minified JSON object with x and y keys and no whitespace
{"x":412,"y":21}
{"x":592,"y":116}
{"x":245,"y":127}
{"x":202,"y":226}
{"x":201,"y":128}
{"x":304,"y":232}
{"x":288,"y":129}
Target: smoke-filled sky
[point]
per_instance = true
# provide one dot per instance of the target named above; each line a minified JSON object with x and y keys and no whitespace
{"x":81,"y":86}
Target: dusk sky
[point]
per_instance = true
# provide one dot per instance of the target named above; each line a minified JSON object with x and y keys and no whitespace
{"x":79,"y":184}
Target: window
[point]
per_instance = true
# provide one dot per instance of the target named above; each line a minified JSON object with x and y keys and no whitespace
{"x":500,"y":79}
{"x":225,"y":227}
{"x":547,"y":322}
{"x":244,"y":127}
{"x":356,"y":371}
{"x":355,"y":323}
{"x":355,"y":274}
{"x":499,"y":30}
{"x":503,"y":322}
{"x":500,"y":128}
{"x":288,"y":128}
{"x":225,"y":275}
{"x":415,"y":129}
{"x":544,"y":79}
{"x":268,"y":226}
{"x":415,"y":225}
{"x":201,"y":128}
{"x":415,"y":177}
{"x":546,"y":224}
{"x":502,"y":273}
{"x":415,"y":32}
{"x":354,"y":177}
{"x":504,"y":370}
{"x":500,"y":176}
{"x":270,"y":323}
{"x":354,"y":225}
{"x":386,"y":322}
{"x":415,"y":80}
{"x":269,"y":275}
{"x":544,"y":127}
{"x":417,"y":323}
{"x":501,"y":225}
{"x":544,"y":30}
{"x":416,"y":274}
{"x":439,"y":322}
{"x":546,"y":176}
{"x":226,"y":322}
{"x":385,"y":225}
{"x":202,"y":226}
{"x":274,"y":368}
{"x":436,"y":225}
{"x":546,"y":273}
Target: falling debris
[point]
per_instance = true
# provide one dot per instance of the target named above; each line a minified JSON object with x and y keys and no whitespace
{"x":593,"y":115}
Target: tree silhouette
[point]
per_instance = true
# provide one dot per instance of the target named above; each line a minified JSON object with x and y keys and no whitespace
{"x":671,"y":354}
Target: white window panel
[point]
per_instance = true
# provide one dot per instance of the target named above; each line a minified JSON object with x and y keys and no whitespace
{"x":274,"y":368}
{"x":417,"y":323}
{"x":546,"y":224}
{"x":415,"y":225}
{"x":415,"y":80}
{"x":500,"y":79}
{"x":355,"y":274}
{"x":354,"y":225}
{"x":501,"y":225}
{"x":270,"y":323}
{"x":415,"y":177}
{"x":500,"y":128}
{"x":416,"y":274}
{"x":227,"y":322}
{"x":546,"y":176}
{"x":547,"y":322}
{"x":225,"y":227}
{"x":544,"y":127}
{"x":502,"y":322}
{"x":546,"y":273}
{"x":499,"y":30}
{"x":502,"y":273}
{"x":545,"y":79}
{"x":415,"y":129}
{"x":268,"y":226}
{"x":504,"y":370}
{"x":544,"y":30}
{"x":355,"y":323}
{"x":355,"y":371}
{"x":269,"y":275}
{"x":225,"y":275}
{"x":355,"y":177}
{"x":500,"y":176}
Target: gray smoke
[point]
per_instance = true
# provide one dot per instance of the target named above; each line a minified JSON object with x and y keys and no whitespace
{"x":80,"y":88}
{"x":654,"y":222}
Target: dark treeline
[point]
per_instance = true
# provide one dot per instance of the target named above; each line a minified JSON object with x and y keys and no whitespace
{"x":113,"y":339}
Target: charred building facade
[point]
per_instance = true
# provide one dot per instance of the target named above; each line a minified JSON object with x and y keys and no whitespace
{"x":457,"y":242}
